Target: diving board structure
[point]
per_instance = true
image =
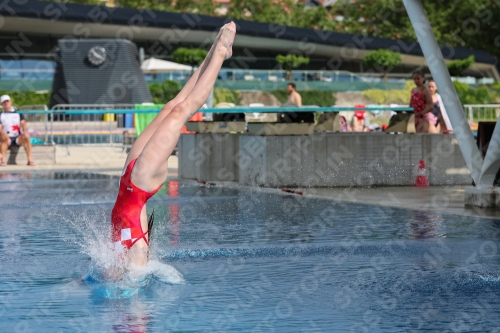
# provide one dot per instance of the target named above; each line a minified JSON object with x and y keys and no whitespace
{"x":483,"y":194}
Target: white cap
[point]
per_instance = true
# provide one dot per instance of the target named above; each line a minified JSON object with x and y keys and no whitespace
{"x":4,"y":98}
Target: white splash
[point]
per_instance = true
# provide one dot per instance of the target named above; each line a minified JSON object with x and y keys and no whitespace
{"x":108,"y":274}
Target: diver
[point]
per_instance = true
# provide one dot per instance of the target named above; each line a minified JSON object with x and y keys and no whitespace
{"x":146,"y":167}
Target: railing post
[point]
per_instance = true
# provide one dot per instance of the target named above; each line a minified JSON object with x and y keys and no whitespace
{"x":46,"y":119}
{"x":52,"y":128}
{"x":111,"y":132}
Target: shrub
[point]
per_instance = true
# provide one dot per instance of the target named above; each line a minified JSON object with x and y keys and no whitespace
{"x":466,"y":94}
{"x":395,"y":96}
{"x":456,"y":67}
{"x":192,"y":57}
{"x":226,"y":95}
{"x":309,"y":97}
{"x":20,"y":98}
{"x":282,"y":95}
{"x":382,"y":60}
{"x":470,"y":95}
{"x":165,"y":91}
{"x":290,"y":62}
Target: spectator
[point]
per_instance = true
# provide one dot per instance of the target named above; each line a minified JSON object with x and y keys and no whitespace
{"x":344,"y":125}
{"x":293,"y":95}
{"x":439,"y":111}
{"x":421,"y":101}
{"x":13,"y":130}
{"x":359,"y":122}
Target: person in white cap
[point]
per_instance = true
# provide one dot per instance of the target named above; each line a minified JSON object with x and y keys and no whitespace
{"x":13,"y":130}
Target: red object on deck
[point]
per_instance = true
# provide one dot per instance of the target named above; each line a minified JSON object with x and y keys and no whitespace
{"x":421,"y":180}
{"x":291,"y":191}
{"x":360,"y":114}
{"x":198,"y":116}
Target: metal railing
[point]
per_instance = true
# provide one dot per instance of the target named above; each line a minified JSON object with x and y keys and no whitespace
{"x":86,"y":125}
{"x":38,"y":118}
{"x":481,"y":112}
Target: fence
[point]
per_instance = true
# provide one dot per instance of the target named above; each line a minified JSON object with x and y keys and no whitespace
{"x":38,"y":115}
{"x":104,"y":124}
{"x":79,"y":124}
{"x":482,"y":112}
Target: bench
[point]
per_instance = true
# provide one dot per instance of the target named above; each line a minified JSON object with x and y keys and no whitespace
{"x":42,"y":154}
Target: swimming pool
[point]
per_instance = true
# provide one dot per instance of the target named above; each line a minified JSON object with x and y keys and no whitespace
{"x":251,"y":262}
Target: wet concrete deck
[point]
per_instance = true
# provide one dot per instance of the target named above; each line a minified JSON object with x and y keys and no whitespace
{"x":444,"y":199}
{"x":110,"y":161}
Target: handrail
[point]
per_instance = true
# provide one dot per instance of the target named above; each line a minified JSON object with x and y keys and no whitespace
{"x":93,"y":106}
{"x":269,"y":109}
{"x":35,"y":111}
{"x":33,"y":107}
{"x":482,"y":105}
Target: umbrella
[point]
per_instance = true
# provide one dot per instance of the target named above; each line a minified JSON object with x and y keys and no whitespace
{"x":154,"y":66}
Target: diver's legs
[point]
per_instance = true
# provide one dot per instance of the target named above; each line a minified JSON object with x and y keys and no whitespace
{"x":144,"y":137}
{"x":151,"y":168}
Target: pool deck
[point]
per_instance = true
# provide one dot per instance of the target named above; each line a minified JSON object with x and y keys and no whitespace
{"x":443,"y":199}
{"x":110,"y":161}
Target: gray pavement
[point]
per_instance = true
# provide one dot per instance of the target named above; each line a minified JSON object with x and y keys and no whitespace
{"x":109,"y":160}
{"x":444,"y":199}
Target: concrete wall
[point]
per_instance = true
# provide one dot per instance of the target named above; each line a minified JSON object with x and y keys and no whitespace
{"x":323,"y":159}
{"x":208,"y":156}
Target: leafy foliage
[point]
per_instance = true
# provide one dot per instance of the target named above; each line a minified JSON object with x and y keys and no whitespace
{"x":291,"y":61}
{"x":463,"y":23}
{"x":309,"y":97}
{"x":20,"y":98}
{"x":466,"y":94}
{"x":382,"y":60}
{"x":165,"y":91}
{"x":469,"y":95}
{"x":226,"y":95}
{"x":386,"y":97}
{"x":456,"y":67}
{"x":192,"y":57}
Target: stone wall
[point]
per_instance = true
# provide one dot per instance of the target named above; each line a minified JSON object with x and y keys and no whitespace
{"x":322,"y":160}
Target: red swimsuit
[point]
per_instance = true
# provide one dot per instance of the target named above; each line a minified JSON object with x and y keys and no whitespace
{"x":418,"y":103}
{"x":126,"y":214}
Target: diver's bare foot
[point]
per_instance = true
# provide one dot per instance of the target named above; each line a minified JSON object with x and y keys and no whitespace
{"x":226,"y":37}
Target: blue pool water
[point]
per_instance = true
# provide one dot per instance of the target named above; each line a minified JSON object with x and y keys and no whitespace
{"x":227,"y":260}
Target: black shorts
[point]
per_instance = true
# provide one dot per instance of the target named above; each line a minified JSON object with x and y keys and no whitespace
{"x":13,"y":141}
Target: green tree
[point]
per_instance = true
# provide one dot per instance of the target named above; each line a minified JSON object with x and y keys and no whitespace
{"x":456,"y":67}
{"x":192,"y":57}
{"x":290,"y":62}
{"x":382,"y":60}
{"x":463,"y":23}
{"x":470,"y":95}
{"x":165,"y":91}
{"x":269,"y":11}
{"x":226,"y":95}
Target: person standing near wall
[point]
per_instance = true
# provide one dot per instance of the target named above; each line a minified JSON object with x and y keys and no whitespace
{"x":439,"y":111}
{"x":293,"y":96}
{"x":421,"y":101}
